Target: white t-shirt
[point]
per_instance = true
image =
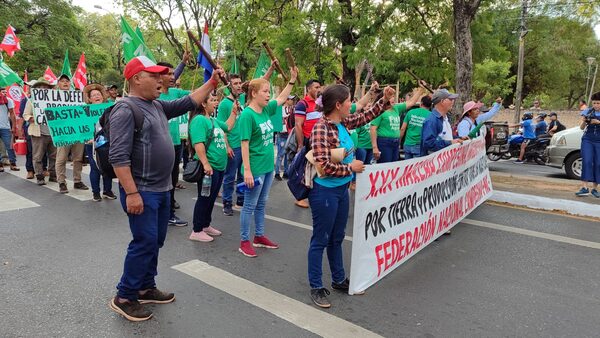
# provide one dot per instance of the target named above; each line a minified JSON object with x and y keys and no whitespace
{"x":4,"y":119}
{"x":446,"y":133}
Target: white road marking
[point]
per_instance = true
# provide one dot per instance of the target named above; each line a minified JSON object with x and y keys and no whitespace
{"x":300,"y":314}
{"x":82,"y":195}
{"x":11,"y":201}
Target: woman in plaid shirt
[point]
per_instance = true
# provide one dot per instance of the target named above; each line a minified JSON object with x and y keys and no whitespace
{"x":328,"y":199}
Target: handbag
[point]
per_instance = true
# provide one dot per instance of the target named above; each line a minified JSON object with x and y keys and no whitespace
{"x":194,"y":171}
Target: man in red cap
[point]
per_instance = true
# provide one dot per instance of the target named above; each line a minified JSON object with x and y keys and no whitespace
{"x":143,"y":160}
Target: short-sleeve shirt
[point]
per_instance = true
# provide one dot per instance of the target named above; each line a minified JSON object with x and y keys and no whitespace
{"x":388,"y":123}
{"x":223,"y":113}
{"x":200,"y":129}
{"x":347,"y":143}
{"x":4,"y":119}
{"x":414,"y":120}
{"x":540,"y":128}
{"x":257,"y":128}
{"x":528,"y":129}
{"x":170,"y":95}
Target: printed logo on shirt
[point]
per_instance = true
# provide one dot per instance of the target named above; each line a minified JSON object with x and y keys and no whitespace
{"x":416,"y":121}
{"x":394,"y":122}
{"x":266,"y":129}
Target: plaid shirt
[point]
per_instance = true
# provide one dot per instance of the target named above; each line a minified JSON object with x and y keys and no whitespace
{"x":325,"y":136}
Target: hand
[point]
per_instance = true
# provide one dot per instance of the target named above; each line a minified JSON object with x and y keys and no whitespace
{"x":388,"y":94}
{"x":499,"y":100}
{"x":457,"y":140}
{"x":422,"y":84}
{"x":236,"y":107}
{"x":293,"y":74}
{"x":230,"y":152}
{"x":15,"y":131}
{"x":248,"y":178}
{"x":374,"y":87}
{"x":208,"y":170}
{"x":357,"y":166}
{"x":376,"y":153}
{"x":217,"y":74}
{"x":31,"y":120}
{"x":186,"y":56}
{"x":135,"y":204}
{"x":274,"y":63}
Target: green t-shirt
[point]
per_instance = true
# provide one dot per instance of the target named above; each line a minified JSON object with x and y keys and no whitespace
{"x":354,"y":136}
{"x":258,"y":130}
{"x":364,"y":136}
{"x":216,"y":153}
{"x":223,"y":113}
{"x":277,"y":119}
{"x":414,"y":125}
{"x":388,"y":123}
{"x":170,"y":95}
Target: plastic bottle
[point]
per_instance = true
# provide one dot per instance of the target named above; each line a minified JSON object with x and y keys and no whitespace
{"x":100,"y":141}
{"x":206,"y":184}
{"x":242,"y":187}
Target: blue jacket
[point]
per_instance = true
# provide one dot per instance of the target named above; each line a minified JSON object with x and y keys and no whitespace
{"x":430,"y":139}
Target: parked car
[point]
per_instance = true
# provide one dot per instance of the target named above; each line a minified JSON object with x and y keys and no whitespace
{"x":564,"y":152}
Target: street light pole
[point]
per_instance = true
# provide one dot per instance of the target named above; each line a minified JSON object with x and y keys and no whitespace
{"x":593,"y":83}
{"x":590,"y":61}
{"x":519,"y":89}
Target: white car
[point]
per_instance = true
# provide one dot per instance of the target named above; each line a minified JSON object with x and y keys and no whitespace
{"x":564,"y":152}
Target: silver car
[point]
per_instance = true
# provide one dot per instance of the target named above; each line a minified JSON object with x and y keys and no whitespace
{"x":564,"y":152}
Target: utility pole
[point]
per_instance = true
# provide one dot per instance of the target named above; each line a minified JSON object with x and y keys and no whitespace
{"x":522,"y":33}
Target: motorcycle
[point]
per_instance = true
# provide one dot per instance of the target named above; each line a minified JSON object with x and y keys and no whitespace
{"x":535,"y":150}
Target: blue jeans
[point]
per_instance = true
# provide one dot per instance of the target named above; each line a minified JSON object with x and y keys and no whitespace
{"x":590,"y":157}
{"x":281,"y":139}
{"x":364,"y":154}
{"x":149,"y":231}
{"x":95,"y":173}
{"x":234,"y":167}
{"x":6,"y":137}
{"x":412,"y":151}
{"x":390,"y":149}
{"x":255,"y":201}
{"x":329,"y":208}
{"x":204,"y":205}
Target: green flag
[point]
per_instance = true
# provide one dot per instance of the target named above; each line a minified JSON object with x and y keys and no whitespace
{"x":139,"y":33}
{"x":132,"y":43}
{"x":262,"y":66}
{"x":475,"y":132}
{"x":66,"y":69}
{"x":8,"y":76}
{"x":235,"y":69}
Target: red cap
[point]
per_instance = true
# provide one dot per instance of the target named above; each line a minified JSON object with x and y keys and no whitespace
{"x":142,"y":63}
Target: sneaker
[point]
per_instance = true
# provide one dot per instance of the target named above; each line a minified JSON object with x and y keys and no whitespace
{"x":319,"y":297}
{"x":109,"y":195}
{"x":63,"y":188}
{"x":239,"y":202}
{"x":212,"y":231}
{"x":302,"y":204}
{"x":155,"y":296}
{"x":583,"y":192}
{"x":176,"y":205}
{"x":175,"y":221}
{"x":96,"y":197}
{"x":277,"y":177}
{"x":41,"y":181}
{"x":344,"y":287}
{"x":264,"y":242}
{"x":30,"y":175}
{"x":13,"y":167}
{"x":131,"y":310}
{"x":227,"y":209}
{"x":52,"y":179}
{"x":200,"y":237}
{"x":80,"y":186}
{"x":518,"y":162}
{"x":246,"y":249}
{"x":595,"y":193}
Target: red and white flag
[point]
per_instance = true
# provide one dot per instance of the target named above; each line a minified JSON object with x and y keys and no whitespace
{"x":49,"y":76}
{"x":10,"y":43}
{"x":80,"y":77}
{"x":25,"y":80}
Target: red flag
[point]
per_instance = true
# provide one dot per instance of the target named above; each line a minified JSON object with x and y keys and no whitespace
{"x":25,"y":86}
{"x":10,"y":43}
{"x":49,"y":76}
{"x":80,"y":77}
{"x":15,"y":93}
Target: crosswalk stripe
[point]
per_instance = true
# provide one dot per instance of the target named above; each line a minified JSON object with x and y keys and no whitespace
{"x":11,"y":201}
{"x":82,"y":195}
{"x":300,"y":314}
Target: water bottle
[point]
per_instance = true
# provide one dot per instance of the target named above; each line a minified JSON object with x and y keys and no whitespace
{"x":242,"y":187}
{"x":100,"y":141}
{"x":206,"y":183}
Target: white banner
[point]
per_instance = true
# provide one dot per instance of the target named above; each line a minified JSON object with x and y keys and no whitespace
{"x":401,"y":207}
{"x":50,"y":98}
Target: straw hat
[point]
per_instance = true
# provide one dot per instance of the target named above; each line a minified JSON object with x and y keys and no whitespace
{"x":94,"y":86}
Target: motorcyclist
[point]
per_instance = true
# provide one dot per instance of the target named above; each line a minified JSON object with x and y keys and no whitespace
{"x":528,"y":133}
{"x":541,"y":126}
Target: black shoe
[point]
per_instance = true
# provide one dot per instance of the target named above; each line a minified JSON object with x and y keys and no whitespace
{"x":227,"y":209}
{"x":155,"y":296}
{"x":277,"y":177}
{"x":239,"y":202}
{"x":285,"y":176}
{"x":63,"y":188}
{"x":319,"y":297}
{"x":343,"y":286}
{"x":175,"y":221}
{"x":52,"y":179}
{"x":109,"y":195}
{"x":176,"y":205}
{"x":132,"y":310}
{"x":41,"y":181}
{"x":80,"y":186}
{"x":97,"y":197}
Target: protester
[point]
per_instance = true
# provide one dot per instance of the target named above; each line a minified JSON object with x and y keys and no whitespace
{"x":437,"y":131}
{"x":113,"y":93}
{"x":385,"y":129}
{"x":143,"y":162}
{"x":329,"y":198}
{"x":541,"y":127}
{"x":256,"y":134}
{"x":8,"y":128}
{"x":94,"y":94}
{"x":62,"y":153}
{"x":555,"y":125}
{"x":41,"y":141}
{"x":281,"y":162}
{"x":590,"y":149}
{"x":536,"y":105}
{"x":29,"y":155}
{"x":582,"y":105}
{"x":528,"y":133}
{"x":208,"y":138}
{"x":412,"y":127}
{"x":472,"y":116}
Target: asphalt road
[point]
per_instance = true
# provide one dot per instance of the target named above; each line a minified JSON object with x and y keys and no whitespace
{"x":508,"y":166}
{"x":61,"y":257}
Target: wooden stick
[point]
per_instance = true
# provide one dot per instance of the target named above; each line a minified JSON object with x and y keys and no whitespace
{"x":273,"y":58}
{"x":339,"y":79}
{"x":291,"y":61}
{"x":419,"y":81}
{"x":205,"y":54}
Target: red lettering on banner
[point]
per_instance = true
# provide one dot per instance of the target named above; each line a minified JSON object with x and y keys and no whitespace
{"x":379,"y":258}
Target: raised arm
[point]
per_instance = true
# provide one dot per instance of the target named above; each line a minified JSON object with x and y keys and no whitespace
{"x":288,"y":89}
{"x":200,"y":94}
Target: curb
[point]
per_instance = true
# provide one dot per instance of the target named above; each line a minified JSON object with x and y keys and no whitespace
{"x":546,"y":203}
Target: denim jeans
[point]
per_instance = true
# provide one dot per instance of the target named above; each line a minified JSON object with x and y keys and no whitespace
{"x":255,"y":201}
{"x":6,"y":137}
{"x":412,"y":151}
{"x":175,"y":177}
{"x":204,"y":205}
{"x":149,"y":231}
{"x":389,"y":148}
{"x":281,"y":139}
{"x":234,"y":166}
{"x":95,"y":173}
{"x":329,"y":208}
{"x":590,"y":157}
{"x":364,"y":154}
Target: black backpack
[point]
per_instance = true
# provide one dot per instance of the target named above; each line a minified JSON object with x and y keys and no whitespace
{"x":102,"y":136}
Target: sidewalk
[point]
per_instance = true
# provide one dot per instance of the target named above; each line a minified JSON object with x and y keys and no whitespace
{"x":543,"y":193}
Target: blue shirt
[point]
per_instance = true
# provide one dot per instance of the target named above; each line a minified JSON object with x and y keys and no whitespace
{"x":540,"y":128}
{"x":528,"y":129}
{"x":466,"y":125}
{"x":430,"y":134}
{"x":346,"y":143}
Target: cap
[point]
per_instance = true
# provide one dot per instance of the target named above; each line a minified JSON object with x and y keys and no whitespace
{"x":442,"y":94}
{"x":291,"y":97}
{"x":112,"y":86}
{"x":470,"y":106}
{"x":142,"y":63}
{"x":552,"y":114}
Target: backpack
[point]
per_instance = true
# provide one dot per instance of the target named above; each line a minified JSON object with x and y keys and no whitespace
{"x":290,"y":120}
{"x":102,"y":136}
{"x":295,"y":174}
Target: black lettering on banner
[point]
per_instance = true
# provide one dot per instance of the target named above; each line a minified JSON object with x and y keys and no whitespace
{"x":373,"y":222}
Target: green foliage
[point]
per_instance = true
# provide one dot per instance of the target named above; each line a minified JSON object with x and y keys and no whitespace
{"x":492,"y":79}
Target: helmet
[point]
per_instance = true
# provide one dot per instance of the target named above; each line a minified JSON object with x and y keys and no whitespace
{"x":542,"y":115}
{"x":527,"y":116}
